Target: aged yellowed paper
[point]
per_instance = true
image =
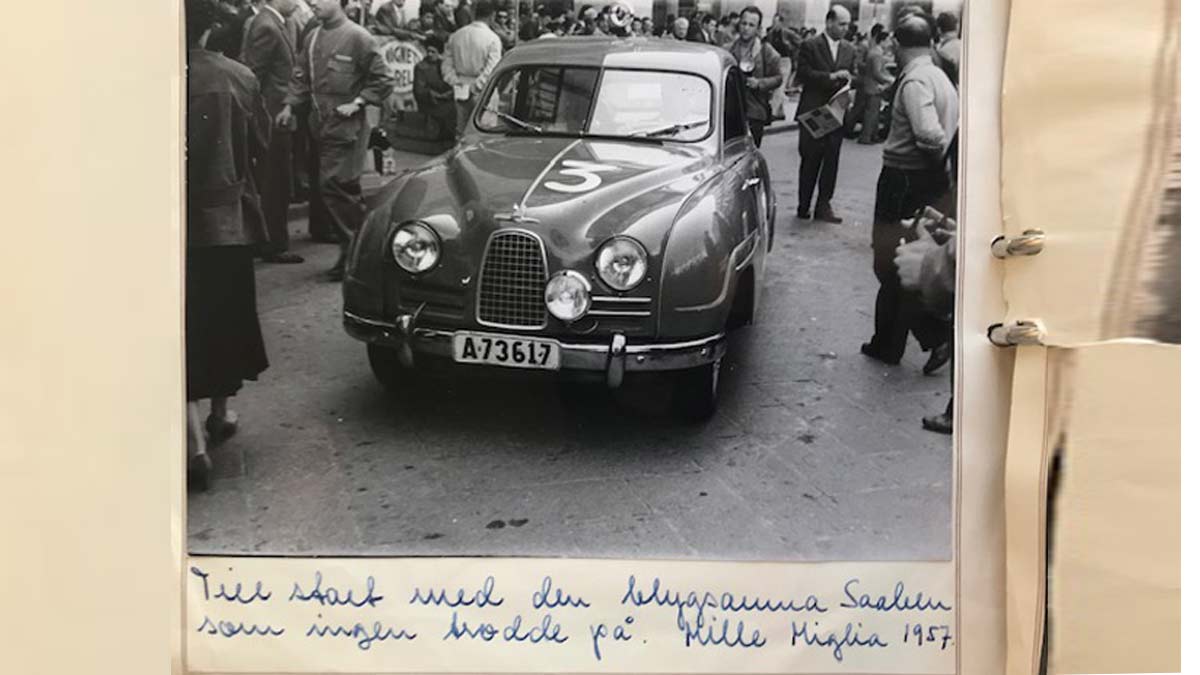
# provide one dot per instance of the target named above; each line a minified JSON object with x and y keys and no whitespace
{"x":1089,"y":123}
{"x":1113,"y":543}
{"x":1093,"y":502}
{"x":90,"y":283}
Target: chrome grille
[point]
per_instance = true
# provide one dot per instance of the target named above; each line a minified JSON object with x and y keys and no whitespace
{"x":512,"y":282}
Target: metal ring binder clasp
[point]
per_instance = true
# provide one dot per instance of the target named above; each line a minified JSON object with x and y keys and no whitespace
{"x":1023,"y":332}
{"x":1031,"y":242}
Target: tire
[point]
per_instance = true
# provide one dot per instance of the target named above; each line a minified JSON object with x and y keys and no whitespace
{"x":696,"y":390}
{"x":385,"y":364}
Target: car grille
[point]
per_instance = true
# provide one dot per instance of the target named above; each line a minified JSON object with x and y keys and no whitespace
{"x":512,"y":282}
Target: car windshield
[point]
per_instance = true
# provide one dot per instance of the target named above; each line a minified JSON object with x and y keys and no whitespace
{"x":609,"y":102}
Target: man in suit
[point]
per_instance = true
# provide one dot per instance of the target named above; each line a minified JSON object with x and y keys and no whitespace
{"x":823,"y":66}
{"x":270,"y":51}
{"x":320,"y":222}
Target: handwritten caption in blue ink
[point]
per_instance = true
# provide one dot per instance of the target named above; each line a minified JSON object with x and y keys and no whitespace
{"x":827,"y":625}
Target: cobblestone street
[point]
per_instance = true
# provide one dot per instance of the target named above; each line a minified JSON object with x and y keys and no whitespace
{"x":817,"y":453}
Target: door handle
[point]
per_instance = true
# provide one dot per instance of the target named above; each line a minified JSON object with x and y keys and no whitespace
{"x":751,"y":182}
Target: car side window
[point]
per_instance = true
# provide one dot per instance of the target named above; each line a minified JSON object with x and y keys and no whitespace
{"x":553,"y":98}
{"x":735,"y":113}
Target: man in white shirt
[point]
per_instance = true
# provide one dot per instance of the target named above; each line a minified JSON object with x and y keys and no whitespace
{"x":471,"y":55}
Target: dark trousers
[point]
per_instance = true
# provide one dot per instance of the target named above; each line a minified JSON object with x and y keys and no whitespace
{"x":300,"y":161}
{"x":309,"y":152}
{"x":319,"y":225}
{"x":855,"y":114}
{"x":277,"y":192}
{"x":871,"y":107}
{"x":756,"y":131}
{"x":339,"y":190}
{"x":899,"y":194}
{"x":818,"y":165}
{"x":344,"y":202}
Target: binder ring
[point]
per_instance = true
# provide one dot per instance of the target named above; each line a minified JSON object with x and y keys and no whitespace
{"x":1031,"y":242}
{"x":1023,"y":332}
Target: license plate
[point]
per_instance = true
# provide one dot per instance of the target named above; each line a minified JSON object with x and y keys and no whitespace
{"x":510,"y":352}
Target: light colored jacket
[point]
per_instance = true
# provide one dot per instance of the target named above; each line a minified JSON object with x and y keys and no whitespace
{"x":471,"y":55}
{"x":924,"y":117}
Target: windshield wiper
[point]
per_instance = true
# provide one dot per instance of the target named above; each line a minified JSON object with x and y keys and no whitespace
{"x":515,"y":120}
{"x":671,"y":130}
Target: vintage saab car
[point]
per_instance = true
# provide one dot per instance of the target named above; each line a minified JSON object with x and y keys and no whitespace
{"x":606,"y":211}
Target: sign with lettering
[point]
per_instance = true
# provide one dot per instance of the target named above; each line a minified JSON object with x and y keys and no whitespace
{"x":401,"y":58}
{"x":503,"y":615}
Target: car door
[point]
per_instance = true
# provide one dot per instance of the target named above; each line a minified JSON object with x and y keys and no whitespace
{"x":741,"y":162}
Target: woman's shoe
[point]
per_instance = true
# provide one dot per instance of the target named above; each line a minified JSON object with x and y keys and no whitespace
{"x":199,"y":471}
{"x":220,"y":430}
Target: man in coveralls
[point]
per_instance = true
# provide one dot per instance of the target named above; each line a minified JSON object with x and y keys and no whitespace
{"x":338,"y":72}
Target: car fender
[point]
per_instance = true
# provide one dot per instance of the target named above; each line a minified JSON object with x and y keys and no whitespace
{"x":705,"y":248}
{"x":369,"y":265}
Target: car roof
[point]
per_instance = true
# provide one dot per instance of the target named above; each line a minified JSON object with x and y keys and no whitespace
{"x":614,"y":52}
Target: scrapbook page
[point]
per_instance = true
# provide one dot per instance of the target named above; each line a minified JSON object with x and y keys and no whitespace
{"x":1094,"y":455}
{"x":642,"y":375}
{"x":627,"y":443}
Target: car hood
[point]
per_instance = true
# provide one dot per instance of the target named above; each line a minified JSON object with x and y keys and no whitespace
{"x":575,"y":193}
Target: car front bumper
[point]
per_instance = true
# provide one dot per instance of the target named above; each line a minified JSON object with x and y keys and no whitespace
{"x":613,"y":358}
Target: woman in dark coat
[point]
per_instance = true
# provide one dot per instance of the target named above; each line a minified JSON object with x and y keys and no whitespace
{"x":228,"y":129}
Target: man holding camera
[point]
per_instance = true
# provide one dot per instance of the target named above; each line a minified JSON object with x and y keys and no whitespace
{"x":914,"y":175}
{"x":759,"y":63}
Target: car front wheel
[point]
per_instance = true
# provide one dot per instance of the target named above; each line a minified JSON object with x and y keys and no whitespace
{"x":696,"y":392}
{"x":385,"y":364}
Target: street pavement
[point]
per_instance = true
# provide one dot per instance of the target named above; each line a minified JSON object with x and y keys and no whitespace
{"x":817,"y":453}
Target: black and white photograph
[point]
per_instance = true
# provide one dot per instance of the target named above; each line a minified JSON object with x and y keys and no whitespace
{"x":666,"y":279}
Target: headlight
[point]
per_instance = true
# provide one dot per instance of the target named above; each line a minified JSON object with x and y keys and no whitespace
{"x":416,"y":248}
{"x":568,"y":295}
{"x":621,"y":263}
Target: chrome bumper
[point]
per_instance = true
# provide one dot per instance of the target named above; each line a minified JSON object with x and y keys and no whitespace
{"x":614,"y":358}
